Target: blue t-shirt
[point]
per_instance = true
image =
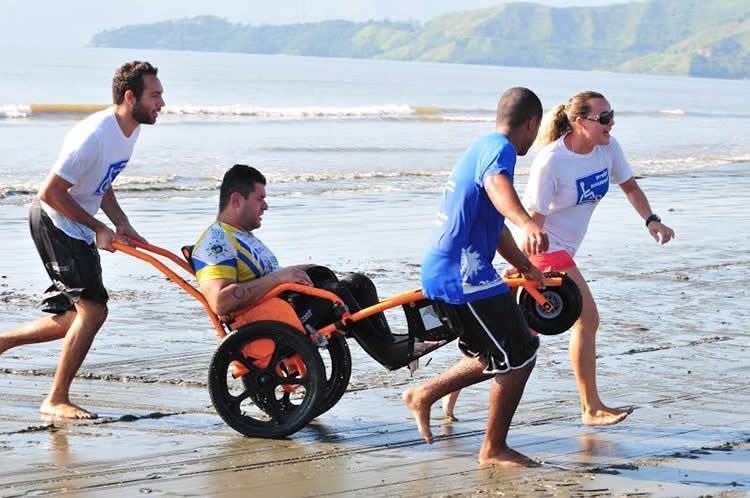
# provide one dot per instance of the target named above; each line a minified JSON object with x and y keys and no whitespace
{"x":457,"y":267}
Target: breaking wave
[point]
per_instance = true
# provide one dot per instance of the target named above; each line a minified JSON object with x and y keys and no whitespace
{"x":346,"y":181}
{"x":357,"y":112}
{"x":305,"y":181}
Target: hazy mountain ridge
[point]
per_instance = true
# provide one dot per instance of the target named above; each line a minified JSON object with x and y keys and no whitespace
{"x":689,"y":37}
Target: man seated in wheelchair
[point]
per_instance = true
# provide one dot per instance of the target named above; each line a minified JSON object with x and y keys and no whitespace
{"x":235,"y":269}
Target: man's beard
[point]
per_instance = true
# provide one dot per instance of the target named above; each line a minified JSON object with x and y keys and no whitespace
{"x":141,"y":115}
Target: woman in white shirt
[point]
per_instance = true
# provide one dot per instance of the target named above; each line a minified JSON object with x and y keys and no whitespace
{"x":568,"y":178}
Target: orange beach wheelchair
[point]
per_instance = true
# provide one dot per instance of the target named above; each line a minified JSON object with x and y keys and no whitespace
{"x":285,"y":360}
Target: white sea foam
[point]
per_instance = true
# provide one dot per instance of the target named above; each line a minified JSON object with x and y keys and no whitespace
{"x":302,"y":112}
{"x":672,"y":165}
{"x":352,"y":175}
{"x":18,"y":189}
{"x":673,"y":112}
{"x":343,"y":182}
{"x":144,"y":180}
{"x":15,"y":111}
{"x":313,"y":112}
{"x":355,"y":148}
{"x":462,"y":119}
{"x":174,"y":183}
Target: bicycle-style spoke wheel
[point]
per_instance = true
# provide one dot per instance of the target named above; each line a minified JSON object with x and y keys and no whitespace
{"x":266,"y":380}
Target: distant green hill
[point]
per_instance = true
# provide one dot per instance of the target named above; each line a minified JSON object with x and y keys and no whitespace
{"x":709,"y":38}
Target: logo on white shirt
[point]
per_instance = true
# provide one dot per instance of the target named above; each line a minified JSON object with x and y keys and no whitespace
{"x":109,"y":178}
{"x":593,"y":187}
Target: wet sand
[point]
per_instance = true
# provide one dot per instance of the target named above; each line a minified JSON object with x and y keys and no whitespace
{"x":674,"y":342}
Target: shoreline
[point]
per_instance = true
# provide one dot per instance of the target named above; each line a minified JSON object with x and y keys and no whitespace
{"x":674,"y":343}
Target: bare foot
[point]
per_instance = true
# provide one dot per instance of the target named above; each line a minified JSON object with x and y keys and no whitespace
{"x":449,"y":403}
{"x":605,"y":416}
{"x":506,"y":458}
{"x":420,"y":411}
{"x":64,"y":410}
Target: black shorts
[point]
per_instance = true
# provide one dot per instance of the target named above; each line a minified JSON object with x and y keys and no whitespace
{"x":495,"y":330}
{"x":72,"y":264}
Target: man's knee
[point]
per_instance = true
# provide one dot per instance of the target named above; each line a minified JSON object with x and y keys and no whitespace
{"x":362,"y":288}
{"x":523,"y":371}
{"x":92,"y":312}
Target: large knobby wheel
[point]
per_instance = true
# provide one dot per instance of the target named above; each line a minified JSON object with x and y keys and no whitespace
{"x":337,"y":360}
{"x":285,"y":374}
{"x":566,"y":307}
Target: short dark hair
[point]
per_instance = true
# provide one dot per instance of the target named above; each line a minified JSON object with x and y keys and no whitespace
{"x":239,"y":178}
{"x":129,"y":76}
{"x":517,"y":106}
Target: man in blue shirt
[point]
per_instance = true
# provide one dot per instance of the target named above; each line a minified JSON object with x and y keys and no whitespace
{"x":457,"y":270}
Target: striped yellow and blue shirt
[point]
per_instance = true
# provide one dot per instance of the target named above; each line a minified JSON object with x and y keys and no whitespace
{"x":225,"y":252}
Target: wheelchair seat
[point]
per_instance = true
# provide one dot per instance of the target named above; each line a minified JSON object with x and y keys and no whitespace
{"x":357,"y":292}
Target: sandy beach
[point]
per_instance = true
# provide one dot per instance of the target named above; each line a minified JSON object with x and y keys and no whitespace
{"x":674,"y":343}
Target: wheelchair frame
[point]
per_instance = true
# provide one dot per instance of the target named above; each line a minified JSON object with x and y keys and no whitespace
{"x":276,"y":359}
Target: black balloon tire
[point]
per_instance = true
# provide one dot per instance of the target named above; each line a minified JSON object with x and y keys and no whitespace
{"x":288,"y":341}
{"x":567,"y":294}
{"x":337,"y":382}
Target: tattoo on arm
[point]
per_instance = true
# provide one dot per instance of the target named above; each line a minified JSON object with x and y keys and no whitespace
{"x":244,"y":295}
{"x":239,"y":293}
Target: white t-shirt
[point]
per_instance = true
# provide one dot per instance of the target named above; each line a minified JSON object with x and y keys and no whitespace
{"x":95,"y":151}
{"x":566,"y":187}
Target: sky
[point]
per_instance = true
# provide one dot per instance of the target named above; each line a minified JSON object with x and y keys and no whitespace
{"x":72,"y":23}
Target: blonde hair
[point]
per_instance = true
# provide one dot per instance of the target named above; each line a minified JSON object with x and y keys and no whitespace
{"x":557,"y":121}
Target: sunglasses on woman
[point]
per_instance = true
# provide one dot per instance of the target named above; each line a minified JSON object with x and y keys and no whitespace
{"x":603,"y":117}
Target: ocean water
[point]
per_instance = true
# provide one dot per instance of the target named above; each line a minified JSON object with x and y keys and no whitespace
{"x":325,"y":125}
{"x":356,"y":153}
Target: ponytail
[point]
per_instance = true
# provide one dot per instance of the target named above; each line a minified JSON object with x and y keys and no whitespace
{"x":554,"y":125}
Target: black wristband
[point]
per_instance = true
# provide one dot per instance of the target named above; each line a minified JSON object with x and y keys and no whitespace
{"x":653,"y":217}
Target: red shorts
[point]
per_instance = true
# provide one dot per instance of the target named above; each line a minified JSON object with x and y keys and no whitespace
{"x":553,"y":261}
